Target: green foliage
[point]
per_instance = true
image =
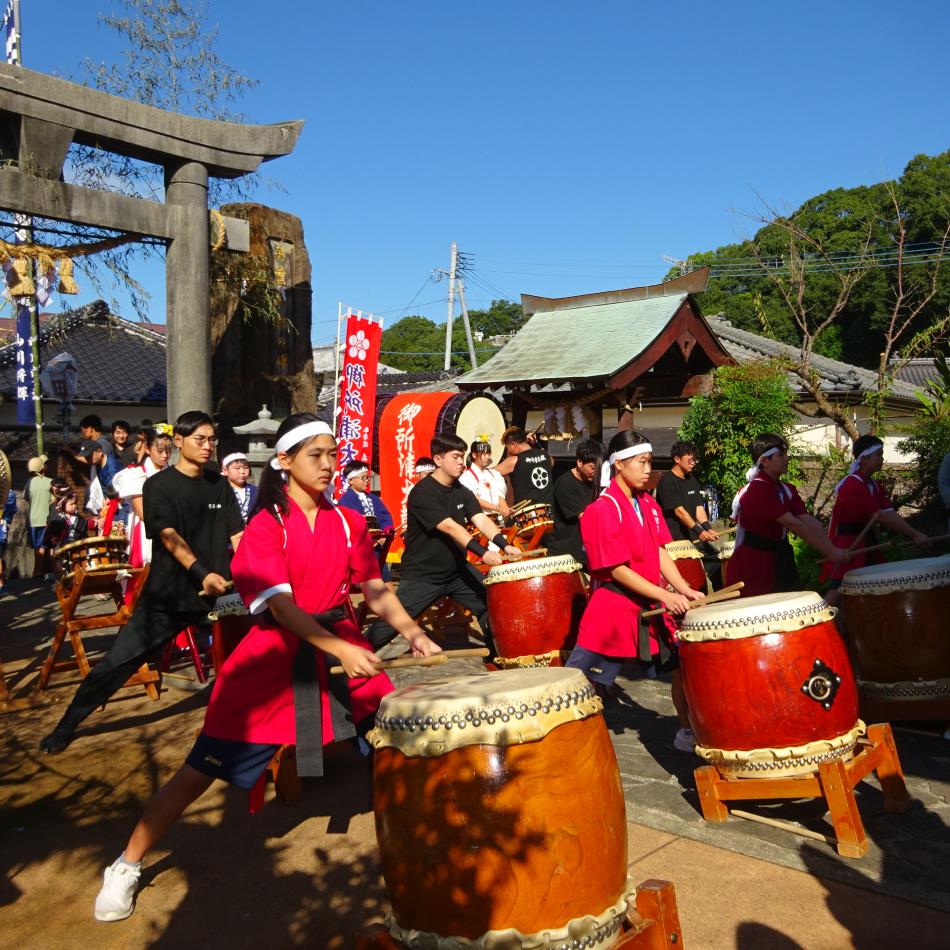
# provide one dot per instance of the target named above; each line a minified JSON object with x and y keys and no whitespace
{"x":745,"y":401}
{"x":808,"y":561}
{"x":842,"y":221}
{"x":417,"y":344}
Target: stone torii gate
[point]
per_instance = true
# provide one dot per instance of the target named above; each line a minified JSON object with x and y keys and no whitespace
{"x":41,"y":116}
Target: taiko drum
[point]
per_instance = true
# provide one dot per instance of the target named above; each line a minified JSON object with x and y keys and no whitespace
{"x":499,"y":808}
{"x":535,"y":606}
{"x":896,"y":620}
{"x":689,"y":562}
{"x":769,"y":685}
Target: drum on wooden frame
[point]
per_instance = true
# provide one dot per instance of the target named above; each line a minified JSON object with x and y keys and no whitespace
{"x":689,"y":562}
{"x":500,"y":793}
{"x":535,"y":608}
{"x":896,"y":620}
{"x":92,"y":554}
{"x":769,"y":685}
{"x":532,"y":517}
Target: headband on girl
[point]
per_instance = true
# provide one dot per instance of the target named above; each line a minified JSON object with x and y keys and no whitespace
{"x":419,"y":469}
{"x":357,"y":473}
{"x":233,"y":457}
{"x":163,"y":428}
{"x":856,"y":464}
{"x":301,"y":434}
{"x":750,"y":474}
{"x":619,"y":456}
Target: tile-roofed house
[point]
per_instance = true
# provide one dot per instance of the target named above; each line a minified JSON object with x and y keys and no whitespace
{"x":121,"y":367}
{"x":918,"y":373}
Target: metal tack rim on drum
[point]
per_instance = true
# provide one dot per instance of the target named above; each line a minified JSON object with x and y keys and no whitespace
{"x":503,"y":708}
{"x":582,"y":933}
{"x":923,"y":573}
{"x":682,"y":550}
{"x":755,"y":616}
{"x":535,"y":567}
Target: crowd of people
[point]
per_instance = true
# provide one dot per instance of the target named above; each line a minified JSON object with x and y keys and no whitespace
{"x":294,"y":553}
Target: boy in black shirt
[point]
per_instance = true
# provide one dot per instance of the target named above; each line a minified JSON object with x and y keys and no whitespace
{"x":527,"y":467}
{"x":192,"y":511}
{"x":434,"y":563}
{"x":573,"y":492}
{"x":679,"y":495}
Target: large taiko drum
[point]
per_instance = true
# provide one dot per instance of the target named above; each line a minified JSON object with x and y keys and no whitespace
{"x":897,"y":619}
{"x":499,"y":812}
{"x":535,"y":608}
{"x":405,"y":424}
{"x":689,"y":562}
{"x":769,"y":685}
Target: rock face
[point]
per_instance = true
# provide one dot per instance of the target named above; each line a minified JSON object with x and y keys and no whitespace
{"x":260,"y":344}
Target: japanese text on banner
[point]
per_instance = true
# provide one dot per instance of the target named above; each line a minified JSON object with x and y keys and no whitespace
{"x":358,"y":390}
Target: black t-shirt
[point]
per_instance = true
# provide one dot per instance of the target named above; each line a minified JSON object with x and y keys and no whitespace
{"x":431,"y":553}
{"x":205,"y":513}
{"x":571,"y":497}
{"x":531,"y":477}
{"x":674,"y":492}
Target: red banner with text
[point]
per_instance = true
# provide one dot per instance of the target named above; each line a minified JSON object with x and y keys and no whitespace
{"x":357,"y":406}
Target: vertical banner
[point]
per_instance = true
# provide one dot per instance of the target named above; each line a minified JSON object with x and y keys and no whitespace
{"x":357,"y":405}
{"x":25,"y":407}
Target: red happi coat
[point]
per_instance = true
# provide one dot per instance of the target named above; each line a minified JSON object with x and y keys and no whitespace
{"x":858,"y":499}
{"x":253,"y":697}
{"x":613,"y":535}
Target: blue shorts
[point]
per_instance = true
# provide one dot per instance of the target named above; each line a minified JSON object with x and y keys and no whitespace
{"x":38,"y":536}
{"x":239,"y":763}
{"x":597,"y":667}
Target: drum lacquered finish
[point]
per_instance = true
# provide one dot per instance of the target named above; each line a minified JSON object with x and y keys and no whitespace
{"x":897,"y":619}
{"x":499,"y":807}
{"x":769,"y":684}
{"x":532,"y":517}
{"x":91,"y":554}
{"x":535,"y":606}
{"x":689,"y":562}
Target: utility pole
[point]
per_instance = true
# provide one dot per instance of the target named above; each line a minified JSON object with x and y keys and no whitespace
{"x":448,"y":322}
{"x":468,"y":326}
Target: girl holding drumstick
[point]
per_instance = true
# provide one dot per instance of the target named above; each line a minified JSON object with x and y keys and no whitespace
{"x":294,"y":567}
{"x":624,"y":533}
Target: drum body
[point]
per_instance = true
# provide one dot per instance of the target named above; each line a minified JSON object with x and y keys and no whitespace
{"x":689,"y":562}
{"x":91,"y":554}
{"x":499,"y":807}
{"x":896,"y":619}
{"x":535,"y":609}
{"x":769,"y":685}
{"x":531,"y":517}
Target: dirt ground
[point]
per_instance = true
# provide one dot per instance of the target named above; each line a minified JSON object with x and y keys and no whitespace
{"x":306,"y":874}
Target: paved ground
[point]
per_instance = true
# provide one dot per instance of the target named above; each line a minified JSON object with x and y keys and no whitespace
{"x":306,"y":875}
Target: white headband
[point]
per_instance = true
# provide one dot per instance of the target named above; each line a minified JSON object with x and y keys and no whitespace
{"x":750,"y":474}
{"x":605,"y":470}
{"x":303,"y":432}
{"x":233,"y":457}
{"x":856,"y":464}
{"x":357,"y":473}
{"x":424,"y":468}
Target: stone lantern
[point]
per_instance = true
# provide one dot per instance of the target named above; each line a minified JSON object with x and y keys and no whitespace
{"x":261,"y":433}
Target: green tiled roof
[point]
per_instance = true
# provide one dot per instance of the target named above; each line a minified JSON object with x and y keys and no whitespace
{"x":579,"y":343}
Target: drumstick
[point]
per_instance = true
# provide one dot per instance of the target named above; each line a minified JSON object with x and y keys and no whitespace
{"x":893,"y":541}
{"x":514,"y":509}
{"x":534,"y":552}
{"x":857,"y":541}
{"x":437,"y":659}
{"x":726,"y":593}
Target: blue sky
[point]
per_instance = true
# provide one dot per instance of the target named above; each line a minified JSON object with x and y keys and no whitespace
{"x":565,"y":146}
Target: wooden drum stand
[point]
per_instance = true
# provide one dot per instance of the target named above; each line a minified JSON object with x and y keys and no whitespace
{"x":653,"y":924}
{"x":96,"y":580}
{"x":834,"y":782}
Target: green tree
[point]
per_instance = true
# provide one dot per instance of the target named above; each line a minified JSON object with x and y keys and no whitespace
{"x":745,"y":401}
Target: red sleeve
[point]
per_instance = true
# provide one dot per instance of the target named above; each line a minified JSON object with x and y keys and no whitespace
{"x":603,"y":536}
{"x":854,"y":502}
{"x":259,"y":567}
{"x":795,"y":504}
{"x":364,"y":565}
{"x":881,"y":498}
{"x":760,"y":507}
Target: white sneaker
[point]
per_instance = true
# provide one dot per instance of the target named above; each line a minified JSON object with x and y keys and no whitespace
{"x":116,"y":900}
{"x":684,"y":741}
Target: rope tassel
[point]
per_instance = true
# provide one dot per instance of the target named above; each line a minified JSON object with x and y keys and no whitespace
{"x":19,"y":278}
{"x":67,"y":283}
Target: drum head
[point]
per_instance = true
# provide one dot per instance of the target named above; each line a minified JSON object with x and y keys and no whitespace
{"x":754,"y":616}
{"x":503,"y":708}
{"x":472,"y":415}
{"x":922,"y":573}
{"x":532,"y":567}
{"x":6,"y":478}
{"x":681,"y":550}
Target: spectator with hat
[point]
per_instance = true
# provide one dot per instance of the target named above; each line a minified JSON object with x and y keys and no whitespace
{"x":39,"y":497}
{"x":236,"y":468}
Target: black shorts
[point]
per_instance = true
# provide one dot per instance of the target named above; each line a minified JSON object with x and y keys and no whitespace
{"x":237,"y":762}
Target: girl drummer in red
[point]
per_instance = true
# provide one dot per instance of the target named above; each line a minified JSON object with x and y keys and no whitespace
{"x":859,"y":499}
{"x":766,"y":510}
{"x":293,"y":567}
{"x":624,"y":533}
